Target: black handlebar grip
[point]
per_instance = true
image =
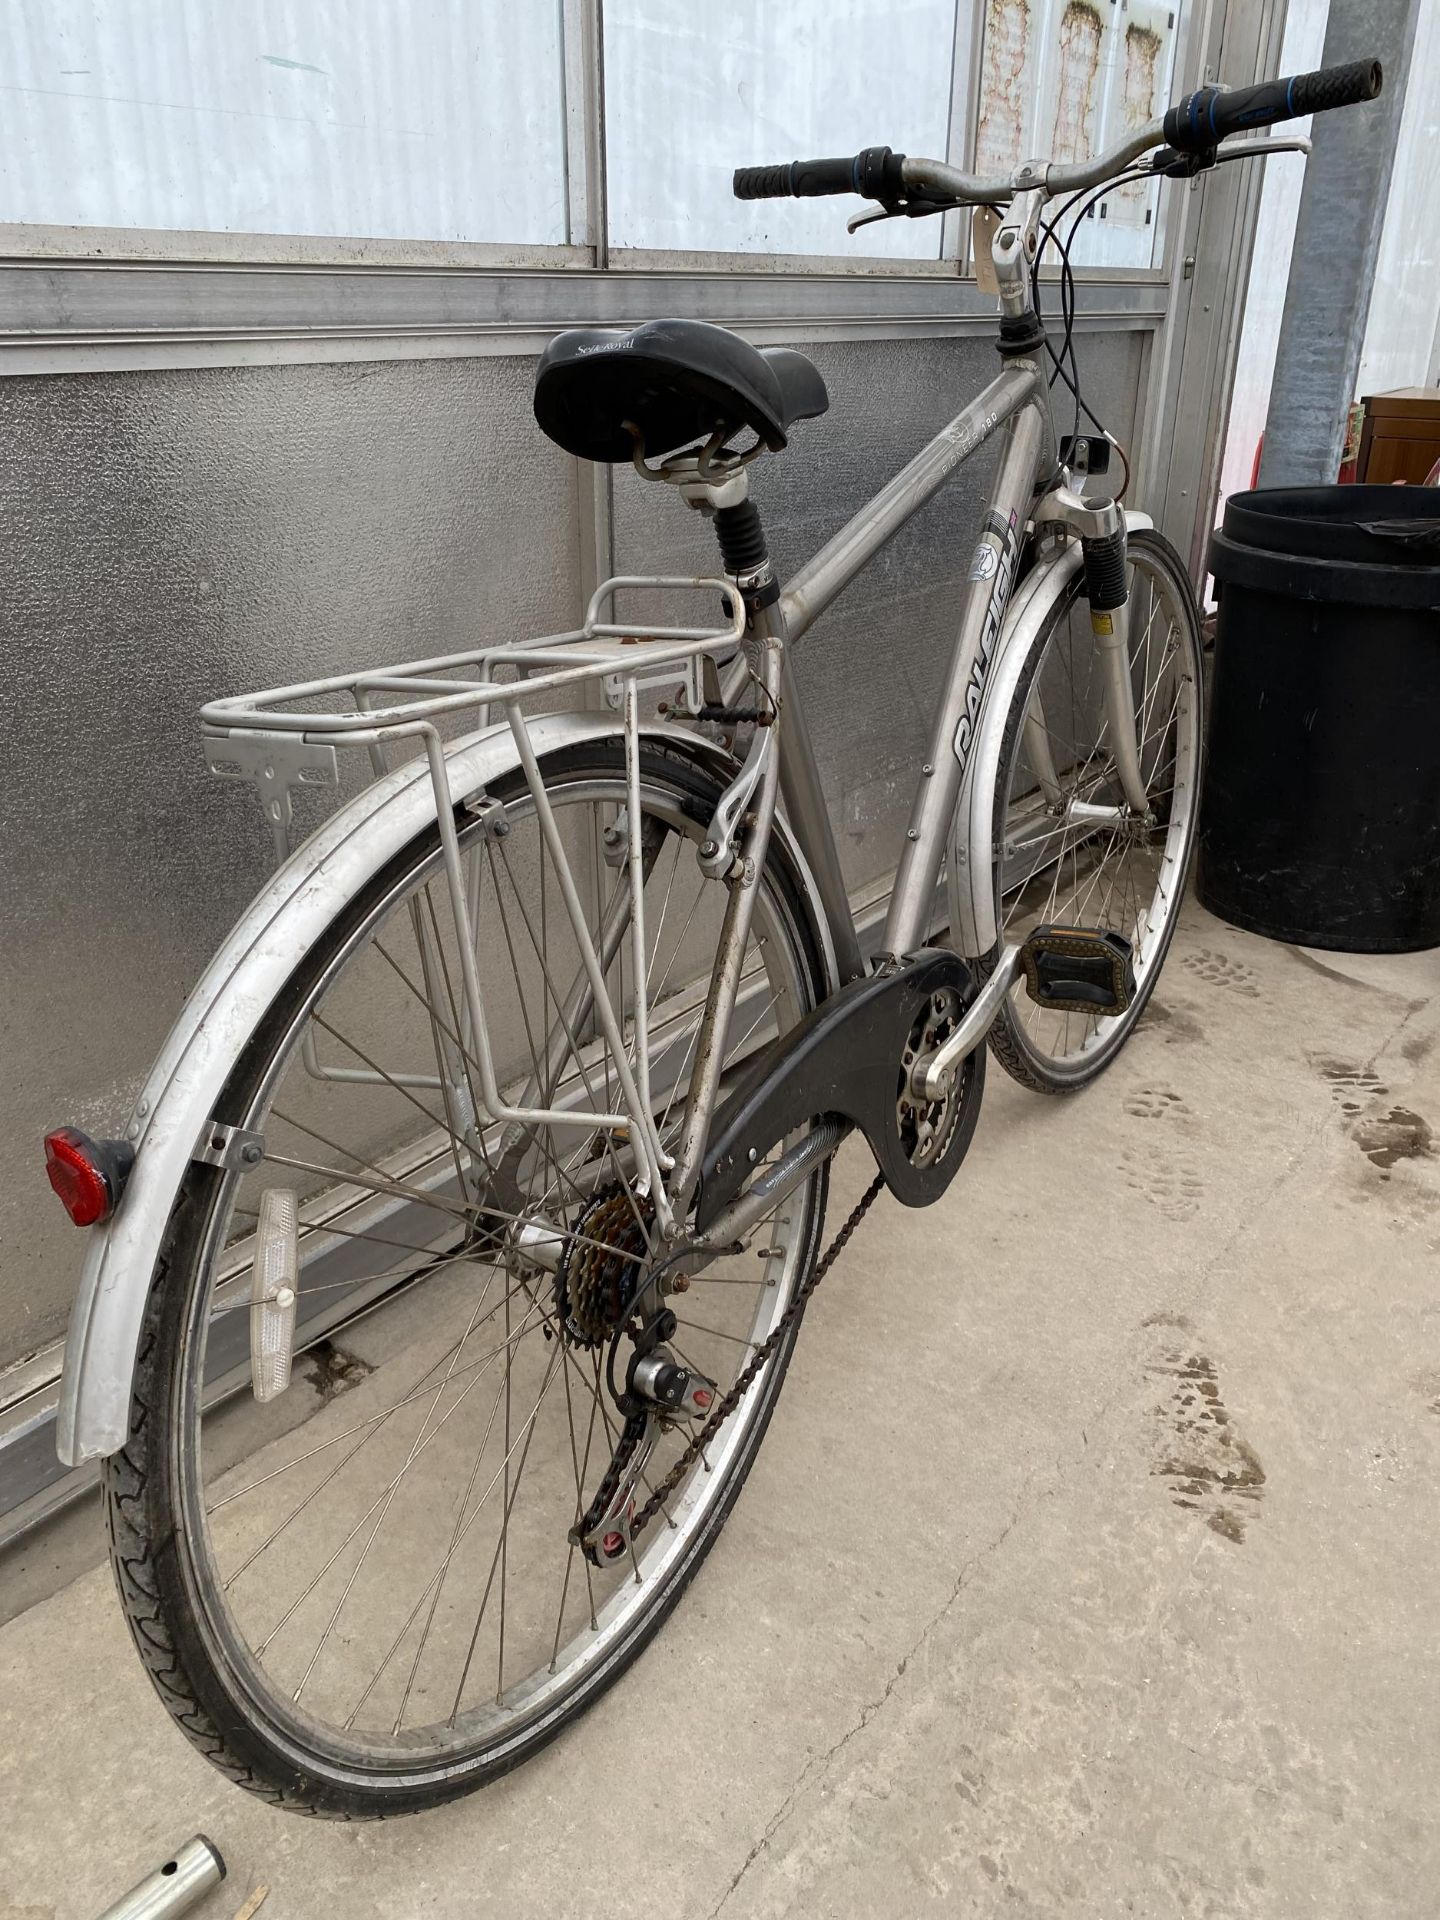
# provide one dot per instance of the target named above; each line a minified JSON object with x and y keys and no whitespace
{"x":810,"y":178}
{"x":801,"y":179}
{"x":1204,"y":118}
{"x":1337,"y":87}
{"x":875,"y":173}
{"x":762,"y":183}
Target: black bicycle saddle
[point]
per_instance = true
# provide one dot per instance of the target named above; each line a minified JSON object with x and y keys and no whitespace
{"x":676,"y":380}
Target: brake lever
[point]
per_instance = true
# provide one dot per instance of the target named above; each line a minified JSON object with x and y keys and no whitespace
{"x":1256,"y":149}
{"x":896,"y":210}
{"x":1184,"y":166}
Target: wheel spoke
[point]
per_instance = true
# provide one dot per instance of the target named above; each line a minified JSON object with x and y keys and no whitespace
{"x":1121,"y":877}
{"x":405,"y":1571}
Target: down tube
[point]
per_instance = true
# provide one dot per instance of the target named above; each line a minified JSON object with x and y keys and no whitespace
{"x":912,"y":903}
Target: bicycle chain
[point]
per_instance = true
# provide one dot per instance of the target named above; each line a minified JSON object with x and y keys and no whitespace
{"x":745,"y":1378}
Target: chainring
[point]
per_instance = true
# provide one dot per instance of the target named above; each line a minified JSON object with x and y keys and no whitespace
{"x":927,"y":1127}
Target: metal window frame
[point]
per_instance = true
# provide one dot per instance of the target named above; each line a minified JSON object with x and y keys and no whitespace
{"x":588,"y":244}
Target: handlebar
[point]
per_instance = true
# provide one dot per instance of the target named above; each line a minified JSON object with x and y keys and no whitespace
{"x":1203,"y":119}
{"x":1197,"y":124}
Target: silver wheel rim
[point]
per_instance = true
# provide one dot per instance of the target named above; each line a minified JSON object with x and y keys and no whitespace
{"x":487,"y":1720}
{"x":1100,"y":878}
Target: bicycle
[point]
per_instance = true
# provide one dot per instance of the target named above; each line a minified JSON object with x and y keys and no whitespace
{"x":545,"y":1042}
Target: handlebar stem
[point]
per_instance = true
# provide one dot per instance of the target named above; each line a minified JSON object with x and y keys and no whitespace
{"x":1014,"y":251}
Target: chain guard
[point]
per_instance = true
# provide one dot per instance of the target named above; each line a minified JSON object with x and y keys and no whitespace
{"x":847,"y":1059}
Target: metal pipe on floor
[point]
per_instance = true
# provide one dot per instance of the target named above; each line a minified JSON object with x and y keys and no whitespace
{"x":190,"y":1873}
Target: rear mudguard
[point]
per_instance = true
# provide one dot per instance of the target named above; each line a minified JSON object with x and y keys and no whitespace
{"x":177,"y":1101}
{"x":844,"y":1060}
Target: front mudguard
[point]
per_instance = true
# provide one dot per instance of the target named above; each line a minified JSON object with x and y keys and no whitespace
{"x":970,"y":870}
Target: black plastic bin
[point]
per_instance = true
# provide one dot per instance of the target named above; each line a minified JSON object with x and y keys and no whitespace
{"x":1320,"y":817}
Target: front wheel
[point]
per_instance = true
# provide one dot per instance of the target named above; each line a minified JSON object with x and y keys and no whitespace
{"x":1067,"y":848}
{"x":366,"y":1595}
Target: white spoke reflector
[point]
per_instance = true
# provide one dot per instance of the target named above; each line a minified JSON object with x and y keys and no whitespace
{"x":273,"y":1286}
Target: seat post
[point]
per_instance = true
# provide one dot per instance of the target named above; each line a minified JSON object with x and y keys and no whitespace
{"x":746,"y":560}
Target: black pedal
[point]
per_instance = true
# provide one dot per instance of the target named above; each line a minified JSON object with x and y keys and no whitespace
{"x":1079,"y":970}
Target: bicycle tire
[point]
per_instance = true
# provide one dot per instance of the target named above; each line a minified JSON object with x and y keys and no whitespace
{"x":149,"y":1488}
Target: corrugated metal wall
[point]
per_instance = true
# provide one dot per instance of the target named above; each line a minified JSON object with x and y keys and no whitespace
{"x":168,"y":537}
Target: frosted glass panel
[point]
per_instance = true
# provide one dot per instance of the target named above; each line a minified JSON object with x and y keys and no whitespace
{"x":435,"y":120}
{"x":1062,"y":79}
{"x":693,"y":92}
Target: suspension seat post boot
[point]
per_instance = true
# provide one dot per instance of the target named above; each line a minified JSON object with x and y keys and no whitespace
{"x":744,"y":554}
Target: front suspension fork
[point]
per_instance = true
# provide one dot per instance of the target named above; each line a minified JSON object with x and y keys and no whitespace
{"x":1100,"y":525}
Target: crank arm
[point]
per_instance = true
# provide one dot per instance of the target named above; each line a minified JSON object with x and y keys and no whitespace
{"x":932,"y":1074}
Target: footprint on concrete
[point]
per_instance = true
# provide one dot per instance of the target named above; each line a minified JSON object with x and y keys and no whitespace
{"x":1162,"y":1171}
{"x":1204,"y":1463}
{"x":1165,"y":1183}
{"x":1398,"y":1134}
{"x":1350,"y":1084}
{"x":1155,"y":1103}
{"x":1218,"y":970}
{"x":1175,"y":1026}
{"x":1384,"y":1134}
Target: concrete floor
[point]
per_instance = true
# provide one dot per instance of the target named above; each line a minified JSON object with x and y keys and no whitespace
{"x":1090,"y":1568}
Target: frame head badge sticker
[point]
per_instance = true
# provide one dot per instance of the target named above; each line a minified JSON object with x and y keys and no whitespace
{"x":985,"y":563}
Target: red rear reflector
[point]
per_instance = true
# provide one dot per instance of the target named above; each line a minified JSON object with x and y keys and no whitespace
{"x":82,"y":1186}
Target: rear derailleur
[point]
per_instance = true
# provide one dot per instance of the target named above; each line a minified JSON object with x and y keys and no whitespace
{"x":659,"y":1392}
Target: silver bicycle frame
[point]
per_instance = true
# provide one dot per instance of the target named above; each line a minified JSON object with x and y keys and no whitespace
{"x":280,"y":741}
{"x":1013,"y":408}
{"x":780,"y":763}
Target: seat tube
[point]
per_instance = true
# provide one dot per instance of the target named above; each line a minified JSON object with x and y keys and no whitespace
{"x":742,"y":546}
{"x":987,"y":594}
{"x":805,"y":808}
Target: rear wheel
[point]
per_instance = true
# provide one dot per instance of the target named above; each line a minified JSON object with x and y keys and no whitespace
{"x":363,"y":1596}
{"x":1050,"y":864}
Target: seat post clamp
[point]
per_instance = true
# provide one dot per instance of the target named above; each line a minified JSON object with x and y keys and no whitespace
{"x":758,"y":587}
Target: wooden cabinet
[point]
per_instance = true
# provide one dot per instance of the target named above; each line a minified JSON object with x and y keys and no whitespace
{"x":1401,"y":436}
